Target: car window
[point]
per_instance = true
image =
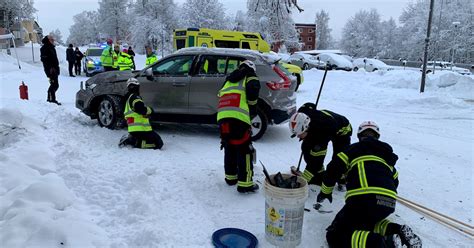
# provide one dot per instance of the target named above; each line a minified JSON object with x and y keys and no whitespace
{"x":212,"y":65}
{"x":233,"y":64}
{"x":94,"y":52}
{"x":175,"y":66}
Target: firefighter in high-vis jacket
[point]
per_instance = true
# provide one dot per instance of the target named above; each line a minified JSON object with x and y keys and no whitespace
{"x":316,"y":128}
{"x":136,"y":113}
{"x":237,"y":105}
{"x":372,"y":182}
{"x":150,"y":56}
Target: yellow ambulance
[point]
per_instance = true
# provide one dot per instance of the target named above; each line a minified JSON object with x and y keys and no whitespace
{"x":205,"y":37}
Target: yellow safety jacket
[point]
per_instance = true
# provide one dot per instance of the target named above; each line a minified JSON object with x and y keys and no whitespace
{"x":125,"y":61}
{"x":106,"y":58}
{"x":135,"y":121}
{"x":233,"y":101}
{"x":151,"y":59}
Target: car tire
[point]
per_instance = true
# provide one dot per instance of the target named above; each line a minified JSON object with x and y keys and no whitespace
{"x":375,"y":69}
{"x":428,"y":71}
{"x":356,"y":69}
{"x":110,"y":112}
{"x":305,"y":66}
{"x":259,"y":124}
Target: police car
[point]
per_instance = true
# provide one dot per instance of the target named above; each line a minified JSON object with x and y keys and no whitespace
{"x":91,"y":62}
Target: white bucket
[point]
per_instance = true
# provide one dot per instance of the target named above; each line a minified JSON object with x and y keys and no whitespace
{"x":284,"y":210}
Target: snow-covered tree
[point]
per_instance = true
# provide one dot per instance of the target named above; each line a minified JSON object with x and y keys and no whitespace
{"x":153,"y":22}
{"x":21,"y":9}
{"x":323,"y":32}
{"x":273,"y":22}
{"x":390,"y":40}
{"x":240,"y":21}
{"x":58,"y":37}
{"x":113,"y":18}
{"x":361,"y":36}
{"x":446,"y":36}
{"x":205,"y":14}
{"x":85,"y":28}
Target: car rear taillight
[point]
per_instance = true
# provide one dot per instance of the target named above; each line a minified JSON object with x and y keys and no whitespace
{"x":283,"y":84}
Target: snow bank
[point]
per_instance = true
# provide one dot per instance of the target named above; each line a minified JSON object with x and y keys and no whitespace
{"x":36,"y":207}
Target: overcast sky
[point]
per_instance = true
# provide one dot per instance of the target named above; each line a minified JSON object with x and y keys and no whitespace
{"x":54,"y":14}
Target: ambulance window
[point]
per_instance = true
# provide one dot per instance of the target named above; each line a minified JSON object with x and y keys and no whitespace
{"x":245,"y":45}
{"x":180,"y":43}
{"x":227,"y":44}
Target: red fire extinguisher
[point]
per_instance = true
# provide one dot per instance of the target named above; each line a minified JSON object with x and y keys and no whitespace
{"x":23,"y":91}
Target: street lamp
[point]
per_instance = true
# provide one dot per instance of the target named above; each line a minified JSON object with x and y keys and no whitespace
{"x":455,"y":24}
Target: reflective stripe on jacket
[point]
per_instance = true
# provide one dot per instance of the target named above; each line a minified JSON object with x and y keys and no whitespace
{"x":125,"y":61}
{"x":135,"y":121}
{"x":233,"y":101}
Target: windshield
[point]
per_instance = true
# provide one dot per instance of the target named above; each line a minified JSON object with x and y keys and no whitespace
{"x":94,"y":52}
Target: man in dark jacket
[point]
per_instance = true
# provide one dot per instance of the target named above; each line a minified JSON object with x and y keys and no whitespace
{"x":70,"y":59}
{"x":316,"y":128}
{"x":51,"y":66}
{"x":132,"y":54}
{"x":372,"y":182}
{"x":78,"y":55}
{"x":237,"y":106}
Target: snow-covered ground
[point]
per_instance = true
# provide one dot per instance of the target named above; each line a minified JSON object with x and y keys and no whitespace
{"x":63,"y":180}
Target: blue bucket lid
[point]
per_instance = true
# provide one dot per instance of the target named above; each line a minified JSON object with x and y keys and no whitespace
{"x":233,"y":238}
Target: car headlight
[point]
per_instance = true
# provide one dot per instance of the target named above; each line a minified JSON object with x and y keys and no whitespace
{"x":90,"y":62}
{"x":90,"y":86}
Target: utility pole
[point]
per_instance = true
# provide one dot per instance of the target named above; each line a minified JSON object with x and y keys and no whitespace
{"x":427,"y":43}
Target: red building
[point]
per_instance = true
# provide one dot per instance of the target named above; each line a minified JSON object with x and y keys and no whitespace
{"x":307,"y":34}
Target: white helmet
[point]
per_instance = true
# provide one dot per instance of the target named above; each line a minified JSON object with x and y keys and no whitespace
{"x":299,"y":123}
{"x":368,"y":125}
{"x":249,"y":64}
{"x":133,"y":81}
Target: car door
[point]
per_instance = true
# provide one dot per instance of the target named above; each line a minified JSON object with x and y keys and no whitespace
{"x":167,"y":91}
{"x":208,"y":80}
{"x":297,"y":59}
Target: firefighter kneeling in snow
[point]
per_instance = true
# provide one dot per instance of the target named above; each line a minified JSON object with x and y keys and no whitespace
{"x":237,"y":105}
{"x":316,"y":128}
{"x":372,"y":182}
{"x":141,"y":134}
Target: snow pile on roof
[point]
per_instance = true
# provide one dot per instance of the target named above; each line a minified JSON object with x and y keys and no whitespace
{"x":36,"y":207}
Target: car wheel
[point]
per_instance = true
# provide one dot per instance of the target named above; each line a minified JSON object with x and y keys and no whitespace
{"x":259,"y":124}
{"x":305,"y":66}
{"x":109,"y":112}
{"x":375,"y":69}
{"x":356,"y":69}
{"x":428,"y":71}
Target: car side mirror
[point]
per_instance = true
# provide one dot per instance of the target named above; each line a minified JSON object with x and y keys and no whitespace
{"x":365,"y":61}
{"x":149,"y":74}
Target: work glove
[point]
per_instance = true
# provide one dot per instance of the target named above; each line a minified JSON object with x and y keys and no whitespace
{"x":321,"y":196}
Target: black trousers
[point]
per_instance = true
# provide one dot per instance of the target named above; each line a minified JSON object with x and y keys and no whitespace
{"x":314,"y":154}
{"x":71,"y":65}
{"x":109,"y":68}
{"x":147,"y":140}
{"x":53,"y":87}
{"x":236,"y":140}
{"x":77,"y":68}
{"x":358,"y":218}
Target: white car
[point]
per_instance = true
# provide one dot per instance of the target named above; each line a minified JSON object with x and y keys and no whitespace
{"x":370,"y":65}
{"x":444,"y":66}
{"x":335,"y":61}
{"x":306,"y":61}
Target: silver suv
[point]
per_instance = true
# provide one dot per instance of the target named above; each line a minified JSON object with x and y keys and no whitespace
{"x":183,"y":86}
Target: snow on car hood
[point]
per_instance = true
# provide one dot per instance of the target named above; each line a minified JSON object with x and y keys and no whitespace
{"x":111,"y":77}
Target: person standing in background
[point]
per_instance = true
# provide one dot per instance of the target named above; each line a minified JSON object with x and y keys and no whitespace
{"x":132,"y":54}
{"x":70,"y":59}
{"x":51,"y":66}
{"x":78,"y":55}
